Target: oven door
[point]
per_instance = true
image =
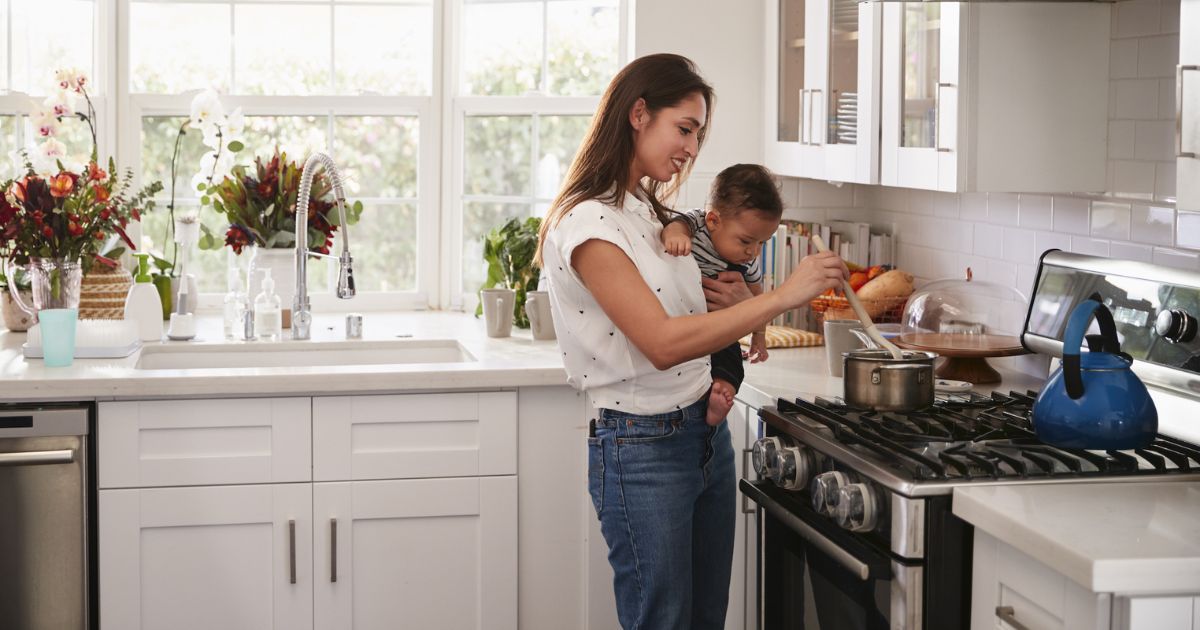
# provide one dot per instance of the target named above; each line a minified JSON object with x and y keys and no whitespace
{"x":816,"y":576}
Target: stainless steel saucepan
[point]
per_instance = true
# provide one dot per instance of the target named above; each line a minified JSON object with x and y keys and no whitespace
{"x":876,"y":380}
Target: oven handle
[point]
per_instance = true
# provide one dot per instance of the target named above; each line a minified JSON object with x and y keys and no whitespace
{"x":860,"y":569}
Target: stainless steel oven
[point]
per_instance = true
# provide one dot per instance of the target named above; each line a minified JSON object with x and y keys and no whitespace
{"x":46,"y":541}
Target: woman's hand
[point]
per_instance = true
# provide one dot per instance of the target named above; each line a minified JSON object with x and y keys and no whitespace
{"x":813,"y":276}
{"x":727,"y":289}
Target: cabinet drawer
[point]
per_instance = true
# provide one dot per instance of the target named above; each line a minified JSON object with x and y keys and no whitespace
{"x":204,"y":442}
{"x":414,"y":436}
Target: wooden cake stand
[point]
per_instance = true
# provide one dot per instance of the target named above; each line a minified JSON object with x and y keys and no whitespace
{"x":964,"y":357}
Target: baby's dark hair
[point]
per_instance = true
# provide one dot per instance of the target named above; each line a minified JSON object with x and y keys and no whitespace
{"x":746,"y":187}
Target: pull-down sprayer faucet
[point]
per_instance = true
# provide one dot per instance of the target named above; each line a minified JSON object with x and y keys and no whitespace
{"x":301,"y":309}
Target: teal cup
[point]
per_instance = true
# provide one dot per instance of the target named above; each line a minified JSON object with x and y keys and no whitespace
{"x":58,"y":335}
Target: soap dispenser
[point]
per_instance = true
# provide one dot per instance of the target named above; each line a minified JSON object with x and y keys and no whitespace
{"x":268,"y":315}
{"x":235,"y":307}
{"x":143,"y":306}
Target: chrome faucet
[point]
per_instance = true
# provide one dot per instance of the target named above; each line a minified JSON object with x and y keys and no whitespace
{"x":301,"y":309}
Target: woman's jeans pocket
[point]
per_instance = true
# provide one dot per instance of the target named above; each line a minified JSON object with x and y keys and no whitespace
{"x":596,"y":472}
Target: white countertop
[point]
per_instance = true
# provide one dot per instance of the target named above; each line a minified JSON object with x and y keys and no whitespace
{"x":1124,"y":538}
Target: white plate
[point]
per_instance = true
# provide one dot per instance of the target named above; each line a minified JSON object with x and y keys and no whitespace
{"x":943,"y":385}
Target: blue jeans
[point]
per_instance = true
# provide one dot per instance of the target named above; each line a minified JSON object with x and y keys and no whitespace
{"x":664,"y":489}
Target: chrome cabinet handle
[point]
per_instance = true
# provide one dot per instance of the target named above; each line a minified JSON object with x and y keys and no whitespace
{"x":1006,"y":614}
{"x":30,"y":458}
{"x":333,"y":550}
{"x":1179,"y":152}
{"x":292,"y":550}
{"x":746,"y":452}
{"x":937,"y":117}
{"x":812,"y":100}
{"x":804,"y":117}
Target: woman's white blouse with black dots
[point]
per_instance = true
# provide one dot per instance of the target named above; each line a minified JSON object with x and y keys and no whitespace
{"x":599,"y":359}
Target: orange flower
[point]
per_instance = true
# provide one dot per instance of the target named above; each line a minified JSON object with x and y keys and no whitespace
{"x":61,"y":185}
{"x":101,"y":193}
{"x":95,"y":173}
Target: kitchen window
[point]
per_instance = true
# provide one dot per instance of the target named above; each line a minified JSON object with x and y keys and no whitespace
{"x":446,"y":117}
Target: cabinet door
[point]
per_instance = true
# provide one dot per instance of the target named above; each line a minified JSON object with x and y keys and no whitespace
{"x":848,"y":97}
{"x":427,"y":553}
{"x":1153,"y":613}
{"x":229,"y":557}
{"x":786,"y":94}
{"x":414,"y":436}
{"x":1187,"y":98}
{"x":920,"y":95}
{"x":735,"y":618}
{"x":749,"y":526}
{"x":204,"y":442}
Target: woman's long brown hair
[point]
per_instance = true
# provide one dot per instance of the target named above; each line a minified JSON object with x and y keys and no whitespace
{"x":600,"y":169}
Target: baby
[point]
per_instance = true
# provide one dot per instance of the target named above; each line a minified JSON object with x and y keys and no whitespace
{"x":744,"y":212}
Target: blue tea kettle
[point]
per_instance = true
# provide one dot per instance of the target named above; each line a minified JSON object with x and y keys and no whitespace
{"x":1094,"y":400}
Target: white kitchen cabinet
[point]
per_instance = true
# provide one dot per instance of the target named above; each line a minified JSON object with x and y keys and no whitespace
{"x":422,"y":553}
{"x":229,"y":557}
{"x":1187,"y":103}
{"x":204,"y":442}
{"x":1007,"y":582}
{"x":995,"y":96}
{"x":743,"y":593}
{"x":822,"y":89}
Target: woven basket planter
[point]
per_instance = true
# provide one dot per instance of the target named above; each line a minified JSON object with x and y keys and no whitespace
{"x":102,"y":293}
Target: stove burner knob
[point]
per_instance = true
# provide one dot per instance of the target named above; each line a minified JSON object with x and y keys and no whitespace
{"x":824,"y":491}
{"x":857,"y":508}
{"x":1176,"y":326}
{"x":796,"y":465}
{"x":764,"y":456}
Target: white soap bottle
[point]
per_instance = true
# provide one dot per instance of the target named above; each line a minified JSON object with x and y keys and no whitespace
{"x":268,"y":315}
{"x":143,"y":306}
{"x":235,"y":307}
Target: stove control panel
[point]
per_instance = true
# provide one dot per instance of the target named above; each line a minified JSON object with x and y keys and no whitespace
{"x":1175,"y":325}
{"x":858,"y":507}
{"x":784,"y":462}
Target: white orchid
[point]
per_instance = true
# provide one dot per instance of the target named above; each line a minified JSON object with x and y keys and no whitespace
{"x":207,"y":110}
{"x":235,"y":125}
{"x":71,"y":79}
{"x":61,"y":103}
{"x":46,"y":156}
{"x":45,"y":123}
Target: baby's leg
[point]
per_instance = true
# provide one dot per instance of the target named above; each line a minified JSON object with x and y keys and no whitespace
{"x":720,"y":401}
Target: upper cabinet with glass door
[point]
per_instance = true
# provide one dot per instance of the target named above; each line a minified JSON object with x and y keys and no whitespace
{"x":1008,"y":97}
{"x":1187,"y":110}
{"x":822,"y":89}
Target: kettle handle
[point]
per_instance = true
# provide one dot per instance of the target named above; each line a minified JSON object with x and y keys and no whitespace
{"x":1073,"y":338}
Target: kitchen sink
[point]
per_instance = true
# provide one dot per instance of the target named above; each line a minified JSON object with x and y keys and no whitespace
{"x":301,"y":354}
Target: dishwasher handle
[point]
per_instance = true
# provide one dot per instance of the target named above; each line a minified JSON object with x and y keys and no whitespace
{"x":34,"y":458}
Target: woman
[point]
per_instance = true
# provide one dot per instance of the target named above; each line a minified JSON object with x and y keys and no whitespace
{"x":634,"y":333}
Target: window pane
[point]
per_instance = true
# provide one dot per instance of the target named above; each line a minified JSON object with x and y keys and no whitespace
{"x":48,"y":35}
{"x":4,"y":49}
{"x":497,"y":155}
{"x":478,"y":220}
{"x":384,"y":246}
{"x":582,"y":45}
{"x":178,"y":47}
{"x":296,"y":135}
{"x":378,"y":155}
{"x":207,"y":266}
{"x":158,"y":145}
{"x":558,"y":139}
{"x":281,"y":49}
{"x":502,"y":48}
{"x":388,"y":50}
{"x":8,"y":140}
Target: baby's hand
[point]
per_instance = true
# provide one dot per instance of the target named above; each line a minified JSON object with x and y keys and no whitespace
{"x":677,"y":244}
{"x":758,"y":348}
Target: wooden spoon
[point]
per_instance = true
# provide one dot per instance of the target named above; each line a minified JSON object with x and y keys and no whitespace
{"x":868,"y":325}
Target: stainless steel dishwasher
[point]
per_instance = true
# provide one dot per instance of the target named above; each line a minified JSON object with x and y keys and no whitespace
{"x":45,"y":539}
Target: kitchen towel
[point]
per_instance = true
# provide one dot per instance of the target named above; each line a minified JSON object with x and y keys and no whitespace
{"x":788,"y":337}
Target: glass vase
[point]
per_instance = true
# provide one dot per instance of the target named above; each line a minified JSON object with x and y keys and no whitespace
{"x":55,"y":282}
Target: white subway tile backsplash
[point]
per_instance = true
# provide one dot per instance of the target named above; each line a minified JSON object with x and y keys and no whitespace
{"x":1166,"y":99}
{"x":955,"y":236}
{"x":1089,"y":246}
{"x":943,"y":265}
{"x":1153,"y":225}
{"x":913,"y":259}
{"x":1110,"y":220}
{"x":1043,"y":241}
{"x":1187,"y":230}
{"x":1131,"y":251}
{"x":989,"y":241}
{"x":1137,"y":99}
{"x":946,"y":205}
{"x":1002,"y":209}
{"x":1155,"y":140}
{"x":1035,"y":212}
{"x":895,"y":198}
{"x":1170,"y":17}
{"x":1019,"y":245}
{"x":1137,"y":18}
{"x":973,"y":207}
{"x":1071,"y":215}
{"x":1177,"y":259}
{"x":1026,"y":277}
{"x":814,"y":194}
{"x":1002,"y":273}
{"x":1133,"y":179}
{"x":868,"y":197}
{"x":1121,"y":139}
{"x":921,"y":201}
{"x":1157,"y":56}
{"x":1164,"y":181}
{"x":1123,"y":59}
{"x":789,"y":191}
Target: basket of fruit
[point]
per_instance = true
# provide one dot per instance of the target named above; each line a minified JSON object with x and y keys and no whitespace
{"x":883,"y":293}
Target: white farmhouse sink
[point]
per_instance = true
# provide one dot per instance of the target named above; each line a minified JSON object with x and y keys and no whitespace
{"x":301,"y":354}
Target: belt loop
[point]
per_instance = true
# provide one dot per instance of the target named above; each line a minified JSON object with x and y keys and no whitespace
{"x":592,"y":428}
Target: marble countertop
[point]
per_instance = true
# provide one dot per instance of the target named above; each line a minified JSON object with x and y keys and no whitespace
{"x":1124,"y":538}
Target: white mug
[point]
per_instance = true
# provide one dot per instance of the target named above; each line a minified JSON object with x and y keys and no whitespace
{"x":838,"y":341}
{"x":537,"y":307}
{"x":498,"y":311}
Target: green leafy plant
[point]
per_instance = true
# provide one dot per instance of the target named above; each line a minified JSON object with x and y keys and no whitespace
{"x":508,"y":251}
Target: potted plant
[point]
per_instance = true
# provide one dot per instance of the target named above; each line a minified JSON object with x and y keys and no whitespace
{"x":15,"y":319}
{"x":509,"y":250}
